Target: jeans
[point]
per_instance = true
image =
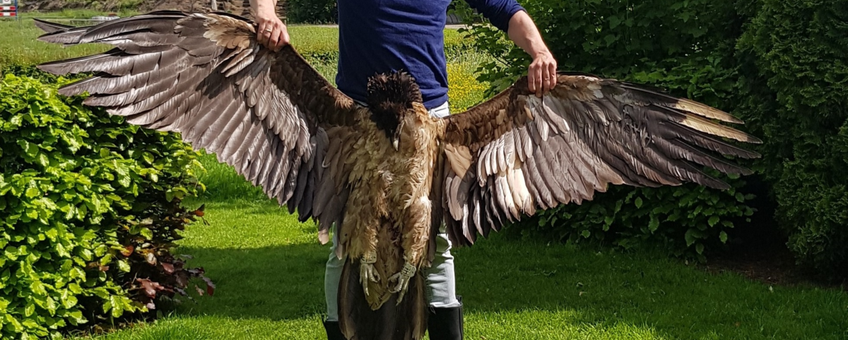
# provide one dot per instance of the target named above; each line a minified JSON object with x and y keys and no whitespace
{"x":440,"y":278}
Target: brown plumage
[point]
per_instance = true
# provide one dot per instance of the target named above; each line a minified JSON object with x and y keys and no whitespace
{"x":388,"y":175}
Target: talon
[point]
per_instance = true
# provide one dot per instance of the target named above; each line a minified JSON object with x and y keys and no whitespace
{"x":400,"y":297}
{"x":367,"y":271}
{"x":402,"y":279}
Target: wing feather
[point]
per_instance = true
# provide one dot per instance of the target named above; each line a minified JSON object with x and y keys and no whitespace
{"x":204,"y":75}
{"x":530,"y":153}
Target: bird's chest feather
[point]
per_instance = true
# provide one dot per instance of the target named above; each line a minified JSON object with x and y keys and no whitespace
{"x":391,"y":178}
{"x":390,"y":190}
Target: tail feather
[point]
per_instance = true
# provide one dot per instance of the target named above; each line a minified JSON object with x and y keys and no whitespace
{"x":51,"y":27}
{"x":404,"y":321}
{"x":60,"y":34}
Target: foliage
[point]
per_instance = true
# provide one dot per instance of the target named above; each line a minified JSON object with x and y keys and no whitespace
{"x":797,"y":100}
{"x":678,"y":219}
{"x":312,"y":11}
{"x":91,"y":210}
{"x":464,"y":91}
{"x":683,"y":47}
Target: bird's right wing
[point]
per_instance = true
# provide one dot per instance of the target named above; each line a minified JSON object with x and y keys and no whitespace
{"x":268,"y":114}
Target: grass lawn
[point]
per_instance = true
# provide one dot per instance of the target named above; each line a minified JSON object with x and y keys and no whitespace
{"x":269,"y":272}
{"x":269,"y":268}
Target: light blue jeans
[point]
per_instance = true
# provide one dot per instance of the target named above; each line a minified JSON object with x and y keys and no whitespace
{"x":440,"y":278}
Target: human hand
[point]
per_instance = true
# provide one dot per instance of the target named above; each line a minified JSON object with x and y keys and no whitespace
{"x":542,"y":74}
{"x":270,"y":30}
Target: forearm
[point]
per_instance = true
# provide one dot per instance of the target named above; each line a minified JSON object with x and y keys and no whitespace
{"x":523,"y":32}
{"x":263,"y":6}
{"x":542,"y":73}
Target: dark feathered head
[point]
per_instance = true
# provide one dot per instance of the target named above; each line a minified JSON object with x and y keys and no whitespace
{"x":390,"y":96}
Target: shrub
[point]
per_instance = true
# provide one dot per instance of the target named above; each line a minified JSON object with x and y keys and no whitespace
{"x":312,"y":11}
{"x":91,"y":208}
{"x":797,"y":102}
{"x":684,"y":47}
{"x":683,"y":220}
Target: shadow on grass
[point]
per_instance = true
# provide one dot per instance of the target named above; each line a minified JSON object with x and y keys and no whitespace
{"x":274,"y":283}
{"x":579,"y":287}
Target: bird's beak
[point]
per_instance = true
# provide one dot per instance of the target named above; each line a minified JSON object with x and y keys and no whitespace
{"x":396,"y":136}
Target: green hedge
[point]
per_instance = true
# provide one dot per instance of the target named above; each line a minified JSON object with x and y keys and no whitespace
{"x":91,"y":208}
{"x":798,"y":101}
{"x":312,"y":11}
{"x":684,"y":47}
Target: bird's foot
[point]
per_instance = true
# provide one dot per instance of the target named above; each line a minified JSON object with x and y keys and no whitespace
{"x":402,"y":279}
{"x":367,"y":271}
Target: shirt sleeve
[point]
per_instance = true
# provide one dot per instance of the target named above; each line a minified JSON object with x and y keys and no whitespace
{"x":497,"y":11}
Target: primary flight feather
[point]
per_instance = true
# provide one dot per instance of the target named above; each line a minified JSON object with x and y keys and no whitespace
{"x":386,"y":175}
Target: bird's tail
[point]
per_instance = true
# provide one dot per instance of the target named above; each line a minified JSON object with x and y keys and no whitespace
{"x":392,"y":321}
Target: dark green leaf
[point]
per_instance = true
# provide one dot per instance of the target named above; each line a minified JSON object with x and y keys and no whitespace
{"x":690,"y":237}
{"x":654,"y":224}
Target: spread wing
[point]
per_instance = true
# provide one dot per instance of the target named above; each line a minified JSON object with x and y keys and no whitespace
{"x":517,"y":153}
{"x":269,"y":115}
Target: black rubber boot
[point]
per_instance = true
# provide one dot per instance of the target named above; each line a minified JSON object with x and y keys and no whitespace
{"x":445,"y":323}
{"x":333,"y":330}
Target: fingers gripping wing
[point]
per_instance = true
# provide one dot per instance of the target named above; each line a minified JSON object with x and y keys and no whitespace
{"x":204,"y":75}
{"x":517,"y":153}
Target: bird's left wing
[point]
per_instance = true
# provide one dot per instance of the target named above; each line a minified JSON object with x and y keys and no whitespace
{"x":517,"y":153}
{"x":268,"y":114}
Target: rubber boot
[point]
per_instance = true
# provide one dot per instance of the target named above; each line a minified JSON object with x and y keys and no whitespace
{"x":333,"y":330}
{"x":445,"y":323}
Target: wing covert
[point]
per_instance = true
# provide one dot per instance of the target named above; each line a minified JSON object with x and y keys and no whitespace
{"x":517,"y":153}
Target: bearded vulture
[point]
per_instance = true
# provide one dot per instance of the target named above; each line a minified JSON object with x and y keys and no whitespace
{"x":387,"y":175}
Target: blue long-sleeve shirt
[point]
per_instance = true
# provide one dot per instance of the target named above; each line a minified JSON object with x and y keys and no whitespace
{"x":377,"y":36}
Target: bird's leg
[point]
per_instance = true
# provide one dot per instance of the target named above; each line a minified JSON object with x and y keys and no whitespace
{"x":402,"y":279}
{"x":416,"y":233}
{"x":366,"y":269}
{"x":365,"y":243}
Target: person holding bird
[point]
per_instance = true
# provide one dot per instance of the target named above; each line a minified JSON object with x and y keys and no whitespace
{"x":377,"y":36}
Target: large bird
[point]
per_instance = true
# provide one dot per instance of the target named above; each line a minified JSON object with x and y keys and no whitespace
{"x":385,"y":176}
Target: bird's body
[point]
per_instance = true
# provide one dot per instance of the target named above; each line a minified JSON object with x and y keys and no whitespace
{"x":386,"y":176}
{"x":395,"y":186}
{"x":386,"y":241}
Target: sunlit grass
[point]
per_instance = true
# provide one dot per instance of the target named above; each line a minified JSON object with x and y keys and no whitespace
{"x":20,"y":47}
{"x":269,"y":272}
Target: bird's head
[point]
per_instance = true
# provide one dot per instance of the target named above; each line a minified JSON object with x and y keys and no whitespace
{"x":390,"y":98}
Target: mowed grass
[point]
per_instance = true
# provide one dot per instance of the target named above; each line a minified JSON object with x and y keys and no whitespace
{"x":269,"y":270}
{"x":269,"y":274}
